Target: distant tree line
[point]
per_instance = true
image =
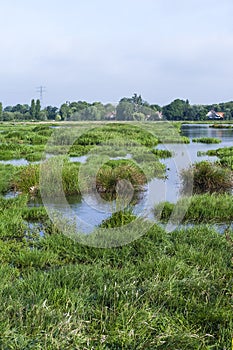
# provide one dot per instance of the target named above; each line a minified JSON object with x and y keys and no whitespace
{"x":133,"y":108}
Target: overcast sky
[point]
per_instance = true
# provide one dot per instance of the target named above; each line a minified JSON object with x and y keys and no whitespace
{"x":102,"y":50}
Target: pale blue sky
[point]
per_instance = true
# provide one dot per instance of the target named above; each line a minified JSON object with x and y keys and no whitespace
{"x":106,"y":49}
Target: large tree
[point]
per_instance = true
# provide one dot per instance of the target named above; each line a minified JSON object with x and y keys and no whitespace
{"x":175,"y":110}
{"x":125,"y":110}
{"x":33,"y":109}
{"x":51,"y":112}
{"x":38,"y":108}
{"x":0,"y":110}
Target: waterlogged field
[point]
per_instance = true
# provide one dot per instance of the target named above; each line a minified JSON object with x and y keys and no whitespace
{"x":62,"y":289}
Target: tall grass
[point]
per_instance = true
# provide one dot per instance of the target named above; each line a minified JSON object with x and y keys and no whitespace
{"x":225,"y":155}
{"x":109,"y":176}
{"x":163,"y":291}
{"x":205,"y":208}
{"x":6,"y":178}
{"x":206,"y":177}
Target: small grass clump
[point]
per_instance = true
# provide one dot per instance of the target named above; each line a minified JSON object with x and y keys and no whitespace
{"x":162,"y":153}
{"x":57,"y":177}
{"x":206,"y":177}
{"x":118,"y":219}
{"x":221,"y":126}
{"x":113,"y":172}
{"x":225,"y":156}
{"x":207,"y":140}
{"x":7,"y":172}
{"x":205,"y":208}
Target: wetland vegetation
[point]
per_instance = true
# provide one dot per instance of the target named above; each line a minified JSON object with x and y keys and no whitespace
{"x":164,"y":290}
{"x":207,"y":140}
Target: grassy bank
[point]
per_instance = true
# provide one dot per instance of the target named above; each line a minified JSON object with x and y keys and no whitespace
{"x":205,"y":208}
{"x":163,"y":291}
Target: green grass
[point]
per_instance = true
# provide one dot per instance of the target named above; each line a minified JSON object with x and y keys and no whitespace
{"x":6,"y":178}
{"x":225,"y":156}
{"x":207,"y":140}
{"x":205,"y":208}
{"x":58,"y":175}
{"x":163,"y":291}
{"x":221,"y":126}
{"x":206,"y":177}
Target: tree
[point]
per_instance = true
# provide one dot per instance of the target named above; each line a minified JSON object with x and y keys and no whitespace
{"x":91,"y":113}
{"x":0,"y":110}
{"x":124,"y":110}
{"x":137,"y":101}
{"x":138,"y":116}
{"x":38,"y":107}
{"x":33,"y":109}
{"x":20,"y":108}
{"x":64,"y":111}
{"x":51,"y":112}
{"x":175,"y":110}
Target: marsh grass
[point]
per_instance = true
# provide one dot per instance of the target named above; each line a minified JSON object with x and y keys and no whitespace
{"x":27,"y":178}
{"x":207,"y":140}
{"x":205,"y":208}
{"x":225,"y":156}
{"x":221,"y":126}
{"x":112,"y":172}
{"x":118,"y":219}
{"x":163,"y":291}
{"x":7,"y":173}
{"x":206,"y":177}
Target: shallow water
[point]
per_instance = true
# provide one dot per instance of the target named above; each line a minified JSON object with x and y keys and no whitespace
{"x":89,"y":210}
{"x":23,"y":161}
{"x":185,"y":156}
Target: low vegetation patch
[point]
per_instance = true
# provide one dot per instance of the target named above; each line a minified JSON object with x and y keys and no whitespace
{"x":206,"y":177}
{"x":118,"y":219}
{"x":207,"y":140}
{"x":120,"y":176}
{"x":56,"y":293}
{"x":225,"y":156}
{"x":205,"y":208}
{"x":27,"y":179}
{"x":221,"y":126}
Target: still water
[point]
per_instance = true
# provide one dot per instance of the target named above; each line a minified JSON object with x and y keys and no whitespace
{"x":89,"y":211}
{"x":184,"y":156}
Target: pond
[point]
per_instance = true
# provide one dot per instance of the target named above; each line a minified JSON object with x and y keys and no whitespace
{"x":90,"y":212}
{"x":184,"y":156}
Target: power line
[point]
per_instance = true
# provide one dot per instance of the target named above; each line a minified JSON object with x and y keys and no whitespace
{"x":41,"y":90}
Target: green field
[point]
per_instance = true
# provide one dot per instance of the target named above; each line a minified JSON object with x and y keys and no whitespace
{"x":164,"y":290}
